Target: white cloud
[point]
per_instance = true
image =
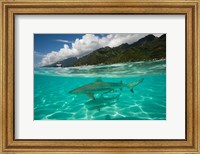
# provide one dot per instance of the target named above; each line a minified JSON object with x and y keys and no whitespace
{"x":89,"y":43}
{"x":55,"y":56}
{"x":38,"y":54}
{"x":158,"y":34}
{"x":63,"y":41}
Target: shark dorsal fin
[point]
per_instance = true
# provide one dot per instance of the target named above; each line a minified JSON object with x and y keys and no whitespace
{"x":98,"y":80}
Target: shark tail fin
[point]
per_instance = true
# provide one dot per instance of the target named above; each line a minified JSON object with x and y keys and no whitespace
{"x":133,"y":84}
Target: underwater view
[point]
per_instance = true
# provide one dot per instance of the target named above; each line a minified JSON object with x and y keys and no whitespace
{"x":55,"y":99}
{"x":100,"y":77}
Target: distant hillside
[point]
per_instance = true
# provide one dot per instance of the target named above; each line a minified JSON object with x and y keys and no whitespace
{"x":64,"y":63}
{"x":147,"y":48}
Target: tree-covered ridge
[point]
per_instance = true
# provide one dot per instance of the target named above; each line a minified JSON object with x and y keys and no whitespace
{"x":147,"y":48}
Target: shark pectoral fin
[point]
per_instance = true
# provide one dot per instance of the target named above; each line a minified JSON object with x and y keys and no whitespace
{"x":91,"y":95}
{"x":132,"y":90}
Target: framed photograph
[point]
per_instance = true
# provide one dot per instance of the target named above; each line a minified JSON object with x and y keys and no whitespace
{"x":99,"y":76}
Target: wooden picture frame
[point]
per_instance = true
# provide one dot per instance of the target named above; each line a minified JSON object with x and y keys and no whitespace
{"x":9,"y":8}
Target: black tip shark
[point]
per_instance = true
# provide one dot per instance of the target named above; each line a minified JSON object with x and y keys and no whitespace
{"x":100,"y":86}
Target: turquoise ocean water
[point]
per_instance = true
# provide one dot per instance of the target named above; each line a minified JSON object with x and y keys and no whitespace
{"x":147,"y":100}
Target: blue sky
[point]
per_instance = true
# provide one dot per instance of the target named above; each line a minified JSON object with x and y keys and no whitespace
{"x":50,"y":48}
{"x":46,"y":43}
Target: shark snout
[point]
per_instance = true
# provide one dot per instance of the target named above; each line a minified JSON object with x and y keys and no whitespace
{"x":71,"y":92}
{"x":74,"y":91}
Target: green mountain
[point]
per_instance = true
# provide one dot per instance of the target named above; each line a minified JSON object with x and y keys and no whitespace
{"x":147,"y":48}
{"x":64,"y":63}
